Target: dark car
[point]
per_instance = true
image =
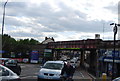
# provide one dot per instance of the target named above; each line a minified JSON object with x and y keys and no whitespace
{"x":14,"y":66}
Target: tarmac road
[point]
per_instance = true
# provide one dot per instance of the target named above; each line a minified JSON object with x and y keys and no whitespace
{"x":30,"y":71}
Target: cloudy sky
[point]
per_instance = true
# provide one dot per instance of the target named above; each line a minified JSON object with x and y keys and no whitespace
{"x":61,"y":19}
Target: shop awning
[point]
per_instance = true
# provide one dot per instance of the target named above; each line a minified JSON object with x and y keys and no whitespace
{"x":101,"y":58}
{"x":110,"y":59}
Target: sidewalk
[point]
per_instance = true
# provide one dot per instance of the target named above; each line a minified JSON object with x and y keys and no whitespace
{"x":81,"y":74}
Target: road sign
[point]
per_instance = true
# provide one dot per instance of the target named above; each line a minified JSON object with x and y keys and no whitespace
{"x":115,"y":30}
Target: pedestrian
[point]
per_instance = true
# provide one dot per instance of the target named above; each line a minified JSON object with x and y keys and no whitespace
{"x":43,"y":61}
{"x":67,"y":71}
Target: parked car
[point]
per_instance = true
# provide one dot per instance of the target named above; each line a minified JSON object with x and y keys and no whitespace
{"x":3,"y":60}
{"x":8,"y":75}
{"x":51,"y":70}
{"x":116,"y":79}
{"x":74,"y":63}
{"x":13,"y":65}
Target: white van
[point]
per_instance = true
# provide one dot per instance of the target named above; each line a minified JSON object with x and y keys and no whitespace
{"x":51,"y":70}
{"x":7,"y":75}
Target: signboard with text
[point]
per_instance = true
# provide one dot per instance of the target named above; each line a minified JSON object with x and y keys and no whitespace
{"x":48,"y":53}
{"x":34,"y":58}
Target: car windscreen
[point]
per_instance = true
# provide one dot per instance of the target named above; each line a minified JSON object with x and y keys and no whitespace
{"x":12,"y":61}
{"x":55,"y":66}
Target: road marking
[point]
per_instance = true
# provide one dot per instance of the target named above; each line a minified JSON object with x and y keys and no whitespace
{"x":23,"y":66}
{"x":28,"y":77}
{"x":82,"y":74}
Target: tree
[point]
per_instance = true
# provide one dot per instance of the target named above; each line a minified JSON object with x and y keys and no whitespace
{"x":8,"y":43}
{"x":22,"y":46}
{"x":33,"y":41}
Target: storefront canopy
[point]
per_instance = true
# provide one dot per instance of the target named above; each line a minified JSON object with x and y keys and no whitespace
{"x":109,"y":59}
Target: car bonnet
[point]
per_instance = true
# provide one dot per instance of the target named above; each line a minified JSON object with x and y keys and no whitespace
{"x":44,"y":70}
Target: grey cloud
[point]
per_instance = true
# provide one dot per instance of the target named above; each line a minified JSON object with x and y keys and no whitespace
{"x":85,"y":37}
{"x":23,"y":34}
{"x":53,"y":35}
{"x":44,"y":14}
{"x":16,"y":8}
{"x":14,"y":22}
{"x":108,"y":37}
{"x":113,"y":8}
{"x":80,"y":14}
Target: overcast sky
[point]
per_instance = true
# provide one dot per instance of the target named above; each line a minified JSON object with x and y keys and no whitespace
{"x":61,"y":19}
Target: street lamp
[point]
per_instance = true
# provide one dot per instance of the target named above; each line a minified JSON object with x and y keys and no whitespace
{"x":3,"y":17}
{"x":115,"y":32}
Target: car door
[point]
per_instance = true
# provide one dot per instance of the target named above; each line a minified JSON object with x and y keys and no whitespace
{"x":4,"y":74}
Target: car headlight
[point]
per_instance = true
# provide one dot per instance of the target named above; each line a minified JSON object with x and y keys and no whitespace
{"x":40,"y":73}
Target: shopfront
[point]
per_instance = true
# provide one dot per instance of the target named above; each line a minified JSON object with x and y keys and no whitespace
{"x":106,"y":63}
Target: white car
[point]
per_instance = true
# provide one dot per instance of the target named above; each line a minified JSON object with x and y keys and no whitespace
{"x":51,"y":70}
{"x":8,"y":75}
{"x":74,"y":63}
{"x":116,"y":79}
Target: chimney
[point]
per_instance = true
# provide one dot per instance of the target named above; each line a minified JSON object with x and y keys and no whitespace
{"x":46,"y":38}
{"x":52,"y":38}
{"x":97,"y":36}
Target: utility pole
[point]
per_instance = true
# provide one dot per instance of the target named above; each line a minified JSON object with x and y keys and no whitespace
{"x":3,"y":17}
{"x":1,"y":43}
{"x":113,"y":64}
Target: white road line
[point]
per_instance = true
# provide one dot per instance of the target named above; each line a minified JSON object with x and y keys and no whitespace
{"x":28,"y":77}
{"x":82,"y":74}
{"x":23,"y":66}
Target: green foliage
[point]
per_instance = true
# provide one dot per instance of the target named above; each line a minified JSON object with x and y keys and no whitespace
{"x":9,"y":44}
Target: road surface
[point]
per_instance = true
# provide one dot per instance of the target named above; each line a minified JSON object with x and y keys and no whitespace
{"x":30,"y":71}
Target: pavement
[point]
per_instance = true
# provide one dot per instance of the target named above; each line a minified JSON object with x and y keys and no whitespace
{"x":81,"y":75}
{"x":30,"y":71}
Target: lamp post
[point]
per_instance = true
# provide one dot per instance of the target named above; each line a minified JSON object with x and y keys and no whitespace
{"x":115,"y":32}
{"x":3,"y":17}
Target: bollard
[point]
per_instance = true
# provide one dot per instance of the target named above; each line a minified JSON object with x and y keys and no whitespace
{"x":104,"y":77}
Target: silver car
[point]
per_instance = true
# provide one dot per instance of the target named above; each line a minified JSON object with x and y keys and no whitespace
{"x":51,"y":70}
{"x":116,"y":79}
{"x":7,"y":75}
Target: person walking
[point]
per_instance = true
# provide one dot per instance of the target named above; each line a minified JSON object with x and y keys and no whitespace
{"x":67,"y":72}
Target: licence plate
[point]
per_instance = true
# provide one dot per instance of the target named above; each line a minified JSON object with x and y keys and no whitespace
{"x":49,"y":77}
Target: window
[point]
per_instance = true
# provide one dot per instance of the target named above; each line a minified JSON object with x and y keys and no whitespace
{"x":4,"y":72}
{"x":55,"y":66}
